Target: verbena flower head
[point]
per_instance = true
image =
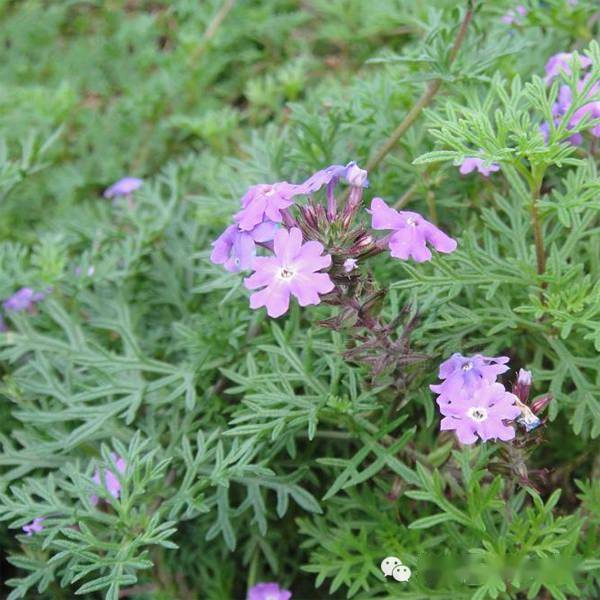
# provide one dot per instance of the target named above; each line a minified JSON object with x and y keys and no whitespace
{"x":481,"y":414}
{"x":463,"y":375}
{"x":268,"y":591}
{"x":411,"y":234}
{"x":34,"y":527}
{"x":123,"y":187}
{"x":235,"y":249}
{"x":293,"y":270}
{"x":24,"y":299}
{"x":113,"y":485}
{"x":477,"y":164}
{"x":265,"y":202}
{"x":561,"y":63}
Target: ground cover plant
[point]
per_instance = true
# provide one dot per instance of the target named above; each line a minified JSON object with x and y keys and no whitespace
{"x":300,"y":299}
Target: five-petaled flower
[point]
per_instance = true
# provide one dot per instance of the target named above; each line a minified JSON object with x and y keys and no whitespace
{"x":111,"y":481}
{"x":473,"y":163}
{"x":481,"y":414}
{"x":264,"y":202}
{"x":464,"y":375}
{"x":268,"y":591}
{"x":411,"y":233}
{"x":123,"y":187}
{"x":35,"y":526}
{"x":293,"y":270}
{"x":235,"y":249}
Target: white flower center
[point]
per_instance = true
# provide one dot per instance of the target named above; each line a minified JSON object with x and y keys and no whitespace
{"x":411,"y":222}
{"x":477,"y":414}
{"x":271,"y":192}
{"x":286,"y":273}
{"x":467,"y":366}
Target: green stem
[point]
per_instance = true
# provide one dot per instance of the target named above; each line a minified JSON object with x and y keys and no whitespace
{"x":428,"y":95}
{"x":540,"y":251}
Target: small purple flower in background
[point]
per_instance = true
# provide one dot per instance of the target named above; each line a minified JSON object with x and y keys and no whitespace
{"x":35,"y":526}
{"x":90,"y":271}
{"x":268,"y":591}
{"x":513,"y":17}
{"x":24,"y":299}
{"x":411,"y":233}
{"x":481,"y":414}
{"x":350,"y":265}
{"x":472,"y":163}
{"x":113,"y":485}
{"x":292,"y":271}
{"x":561,"y":62}
{"x":235,"y":249}
{"x":123,"y":187}
{"x":464,"y":375}
{"x":264,"y":202}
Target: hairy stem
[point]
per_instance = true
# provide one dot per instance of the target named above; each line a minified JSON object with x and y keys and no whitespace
{"x":540,"y":251}
{"x":428,"y":95}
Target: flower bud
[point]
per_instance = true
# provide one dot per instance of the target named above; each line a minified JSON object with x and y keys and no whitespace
{"x":540,"y":404}
{"x":522,"y":386}
{"x":356,"y":176}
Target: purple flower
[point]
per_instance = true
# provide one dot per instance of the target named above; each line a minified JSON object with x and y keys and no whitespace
{"x":329,"y":176}
{"x":562,"y":105}
{"x":35,"y":526}
{"x":350,"y":265}
{"x":464,"y":375}
{"x":472,"y":163}
{"x":24,"y":299}
{"x":113,"y":485}
{"x":265,"y":202}
{"x":235,"y":249}
{"x":292,"y":271}
{"x":411,"y":232}
{"x":561,"y":62}
{"x":268,"y":591}
{"x":512,"y":16}
{"x":481,"y":414}
{"x":123,"y":187}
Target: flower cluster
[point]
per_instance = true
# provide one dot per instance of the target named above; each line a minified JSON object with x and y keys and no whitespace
{"x":268,"y":591}
{"x":472,"y":402}
{"x":563,"y":63}
{"x":316,"y":249}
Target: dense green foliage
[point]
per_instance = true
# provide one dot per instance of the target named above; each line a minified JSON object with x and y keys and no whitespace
{"x":255,"y":451}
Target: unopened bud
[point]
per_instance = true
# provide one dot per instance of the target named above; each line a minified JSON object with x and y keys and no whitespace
{"x":356,"y":176}
{"x":540,"y":404}
{"x":522,"y":386}
{"x":524,"y":377}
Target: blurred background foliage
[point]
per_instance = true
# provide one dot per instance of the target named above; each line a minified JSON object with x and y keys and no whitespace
{"x":253,"y":446}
